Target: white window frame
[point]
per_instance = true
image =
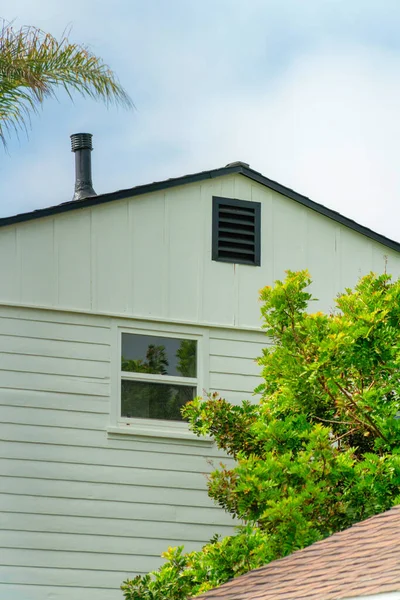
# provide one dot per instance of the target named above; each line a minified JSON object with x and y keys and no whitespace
{"x":155,"y":427}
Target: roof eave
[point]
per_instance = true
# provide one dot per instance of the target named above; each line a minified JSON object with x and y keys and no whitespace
{"x":196,"y":177}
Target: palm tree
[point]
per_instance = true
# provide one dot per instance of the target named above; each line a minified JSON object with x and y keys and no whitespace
{"x":33,"y":64}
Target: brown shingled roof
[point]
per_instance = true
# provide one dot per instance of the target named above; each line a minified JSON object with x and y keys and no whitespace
{"x":360,"y":561}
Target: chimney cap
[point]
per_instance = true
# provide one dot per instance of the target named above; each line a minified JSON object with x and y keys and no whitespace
{"x":81,"y":141}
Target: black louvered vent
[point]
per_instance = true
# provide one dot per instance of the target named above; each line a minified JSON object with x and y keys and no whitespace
{"x":236,"y":231}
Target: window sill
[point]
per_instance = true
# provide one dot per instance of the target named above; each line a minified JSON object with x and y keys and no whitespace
{"x":170,"y":432}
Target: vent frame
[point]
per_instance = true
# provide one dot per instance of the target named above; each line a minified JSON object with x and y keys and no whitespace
{"x":252,"y":211}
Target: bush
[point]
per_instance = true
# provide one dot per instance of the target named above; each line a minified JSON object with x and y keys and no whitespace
{"x":319,"y":452}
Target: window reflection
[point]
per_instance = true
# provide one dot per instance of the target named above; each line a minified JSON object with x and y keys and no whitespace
{"x":147,"y":400}
{"x":159,"y":355}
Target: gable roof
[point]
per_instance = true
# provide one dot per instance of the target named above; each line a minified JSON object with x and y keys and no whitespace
{"x":233,"y":168}
{"x":360,"y":561}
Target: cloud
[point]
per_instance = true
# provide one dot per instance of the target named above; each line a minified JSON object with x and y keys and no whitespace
{"x":308,"y":97}
{"x":329,"y":128}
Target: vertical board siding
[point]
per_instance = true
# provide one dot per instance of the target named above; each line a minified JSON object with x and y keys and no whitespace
{"x":110,"y":267}
{"x":38,"y":274}
{"x":150,"y":256}
{"x":250,"y":280}
{"x":185,"y":248}
{"x":148,"y":252}
{"x":81,"y":510}
{"x":218,"y":280}
{"x":9,"y":266}
{"x":289,"y":222}
{"x":322,"y":242}
{"x":72,"y":238}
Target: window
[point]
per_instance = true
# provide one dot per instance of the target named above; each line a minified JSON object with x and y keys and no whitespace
{"x":158,"y":375}
{"x":236,"y":231}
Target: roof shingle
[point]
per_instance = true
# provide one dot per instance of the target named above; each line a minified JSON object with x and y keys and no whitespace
{"x":360,"y":561}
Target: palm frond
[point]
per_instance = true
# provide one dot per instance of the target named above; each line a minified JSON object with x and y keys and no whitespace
{"x":33,"y":64}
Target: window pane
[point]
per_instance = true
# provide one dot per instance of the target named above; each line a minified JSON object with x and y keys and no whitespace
{"x":161,"y":355}
{"x":154,"y":400}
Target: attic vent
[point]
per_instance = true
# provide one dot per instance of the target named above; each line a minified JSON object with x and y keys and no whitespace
{"x":236,"y":231}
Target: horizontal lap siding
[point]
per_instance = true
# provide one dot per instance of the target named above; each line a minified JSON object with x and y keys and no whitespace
{"x":111,"y":492}
{"x":47,"y":382}
{"x":89,"y":473}
{"x":92,"y":561}
{"x":106,"y":580}
{"x":39,"y":592}
{"x":111,"y":509}
{"x":145,"y":532}
{"x":82,"y":510}
{"x":234,"y":371}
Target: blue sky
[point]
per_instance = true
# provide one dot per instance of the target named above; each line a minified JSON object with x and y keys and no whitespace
{"x":306,"y":91}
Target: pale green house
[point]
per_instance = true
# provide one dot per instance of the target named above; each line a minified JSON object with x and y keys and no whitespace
{"x":114,"y":310}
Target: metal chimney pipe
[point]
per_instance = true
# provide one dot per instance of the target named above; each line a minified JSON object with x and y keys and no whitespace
{"x":81,"y":145}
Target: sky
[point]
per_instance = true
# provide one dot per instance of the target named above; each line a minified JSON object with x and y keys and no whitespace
{"x":305,"y":91}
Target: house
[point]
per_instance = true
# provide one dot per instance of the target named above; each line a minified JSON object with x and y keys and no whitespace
{"x":114,"y":310}
{"x":362,"y":563}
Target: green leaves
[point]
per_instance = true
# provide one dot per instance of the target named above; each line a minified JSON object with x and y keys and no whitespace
{"x":231,"y":426}
{"x":320,"y":451}
{"x":186,"y":575}
{"x":33,"y":64}
{"x":339,"y":368}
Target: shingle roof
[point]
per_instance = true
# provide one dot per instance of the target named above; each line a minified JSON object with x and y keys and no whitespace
{"x":360,"y":561}
{"x":231,"y":169}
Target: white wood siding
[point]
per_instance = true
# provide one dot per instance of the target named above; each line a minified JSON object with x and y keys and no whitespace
{"x":234,"y":372}
{"x":150,"y":257}
{"x":80,"y":509}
